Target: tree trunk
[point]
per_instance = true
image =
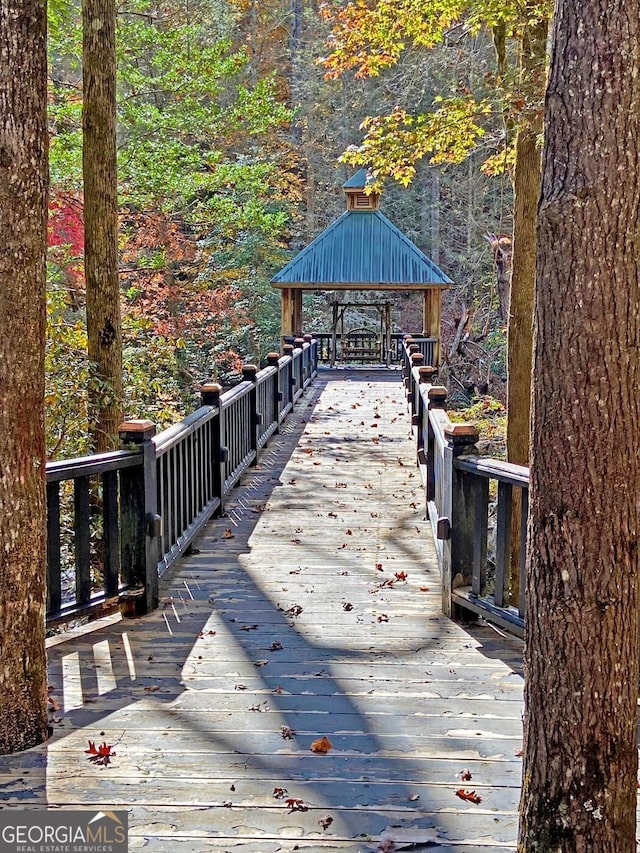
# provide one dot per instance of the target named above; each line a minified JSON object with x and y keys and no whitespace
{"x":104,"y":330}
{"x":23,"y":225}
{"x":523,"y":274}
{"x":579,"y":789}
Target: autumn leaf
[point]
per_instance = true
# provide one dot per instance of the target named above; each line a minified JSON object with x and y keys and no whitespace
{"x":465,"y":775}
{"x":276,"y":646}
{"x":470,"y":796}
{"x":379,"y":566}
{"x":401,"y":576}
{"x":322,"y":745}
{"x":101,"y":754}
{"x":383,"y":617}
{"x":295,"y":804}
{"x":325,"y":822}
{"x":287,"y":732}
{"x":228,"y":534}
{"x":280,"y":793}
{"x":347,"y":606}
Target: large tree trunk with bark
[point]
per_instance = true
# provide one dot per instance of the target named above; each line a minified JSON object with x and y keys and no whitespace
{"x":104,"y":329}
{"x":23,"y":230}
{"x":579,"y":787}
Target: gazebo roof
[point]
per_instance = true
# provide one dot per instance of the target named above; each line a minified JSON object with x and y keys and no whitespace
{"x":362,"y":249}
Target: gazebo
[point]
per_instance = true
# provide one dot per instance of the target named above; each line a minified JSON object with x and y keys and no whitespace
{"x":365,"y":258}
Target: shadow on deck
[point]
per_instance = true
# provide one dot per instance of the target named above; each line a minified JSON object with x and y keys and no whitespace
{"x":311,"y":609}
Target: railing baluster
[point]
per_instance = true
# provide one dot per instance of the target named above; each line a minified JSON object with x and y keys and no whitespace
{"x":54,"y":585}
{"x":480,"y":502}
{"x":524,"y":512}
{"x":503,"y":542}
{"x":111,"y":533}
{"x":82,"y":528}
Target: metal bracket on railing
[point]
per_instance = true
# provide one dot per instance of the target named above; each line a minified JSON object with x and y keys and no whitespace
{"x":257,"y":419}
{"x":224,"y":454}
{"x":443,"y":528}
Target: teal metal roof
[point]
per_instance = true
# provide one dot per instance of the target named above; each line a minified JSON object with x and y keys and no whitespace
{"x":358,"y":181}
{"x":361,"y":248}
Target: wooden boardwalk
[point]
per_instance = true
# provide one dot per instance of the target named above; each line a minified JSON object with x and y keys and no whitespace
{"x":311,"y":610}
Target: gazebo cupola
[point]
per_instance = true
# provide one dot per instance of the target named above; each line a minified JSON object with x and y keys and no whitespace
{"x":361,"y":252}
{"x":355,"y":190}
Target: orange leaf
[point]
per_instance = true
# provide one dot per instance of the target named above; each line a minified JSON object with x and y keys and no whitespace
{"x":470,"y":796}
{"x":322,"y":745}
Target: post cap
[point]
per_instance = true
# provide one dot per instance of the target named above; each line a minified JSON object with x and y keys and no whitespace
{"x":416,"y":358}
{"x":136,"y":431}
{"x":427,"y":373}
{"x":461,"y":434}
{"x":249,"y":372}
{"x":210,"y":393}
{"x":308,"y":338}
{"x":273,"y":357}
{"x":287,"y":349}
{"x":299,"y":343}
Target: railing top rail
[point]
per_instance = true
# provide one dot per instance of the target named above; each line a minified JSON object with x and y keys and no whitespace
{"x":86,"y":466}
{"x":172,"y":435}
{"x":494,"y":469}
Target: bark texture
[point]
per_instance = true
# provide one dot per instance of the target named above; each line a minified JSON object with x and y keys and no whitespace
{"x":104,"y":329}
{"x":579,"y":787}
{"x":23,"y":230}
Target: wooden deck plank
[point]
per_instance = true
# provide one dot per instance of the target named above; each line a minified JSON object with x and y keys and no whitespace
{"x":194,"y":696}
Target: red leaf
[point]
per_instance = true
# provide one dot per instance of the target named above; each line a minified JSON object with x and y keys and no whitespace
{"x":470,"y":796}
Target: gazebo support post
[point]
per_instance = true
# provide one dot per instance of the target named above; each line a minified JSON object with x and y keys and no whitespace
{"x":286,"y":306}
{"x":431,"y":319}
{"x":297,"y":312}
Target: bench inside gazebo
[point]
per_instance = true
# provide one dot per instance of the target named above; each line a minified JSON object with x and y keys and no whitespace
{"x":364,"y":260}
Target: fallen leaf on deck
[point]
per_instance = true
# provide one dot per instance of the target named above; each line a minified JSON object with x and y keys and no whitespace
{"x":295,"y":541}
{"x":152,"y":688}
{"x":278,"y":689}
{"x":347,"y":606}
{"x":401,"y":576}
{"x":280,"y":793}
{"x":349,"y":532}
{"x":322,"y":745}
{"x":276,"y":646}
{"x":383,"y":617}
{"x":295,"y":804}
{"x":287,"y":732}
{"x":263,"y":706}
{"x":248,"y":627}
{"x":414,"y":798}
{"x":465,"y":775}
{"x":228,"y":534}
{"x":101,"y":754}
{"x":260,"y":663}
{"x":519,"y":753}
{"x":325,"y":822}
{"x":292,"y":481}
{"x":294,"y":610}
{"x":470,"y":796}
{"x":424,"y":589}
{"x":240,"y":687}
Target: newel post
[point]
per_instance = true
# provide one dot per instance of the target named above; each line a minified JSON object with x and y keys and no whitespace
{"x":250,"y":374}
{"x":273,"y":360}
{"x":210,"y":396}
{"x":456,"y":524}
{"x":140,"y":524}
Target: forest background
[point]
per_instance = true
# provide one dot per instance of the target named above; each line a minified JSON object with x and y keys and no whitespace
{"x":233,"y":123}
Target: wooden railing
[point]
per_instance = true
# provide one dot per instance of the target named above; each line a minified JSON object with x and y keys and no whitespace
{"x":326,"y":354}
{"x":469,"y":502}
{"x":116,"y":521}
